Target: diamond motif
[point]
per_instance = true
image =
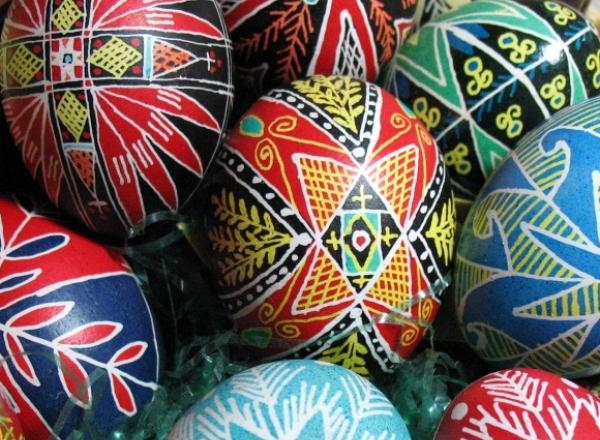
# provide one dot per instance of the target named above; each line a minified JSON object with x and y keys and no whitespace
{"x":24,"y":65}
{"x":73,"y":114}
{"x":66,"y":15}
{"x":361,"y":234}
{"x":116,"y":57}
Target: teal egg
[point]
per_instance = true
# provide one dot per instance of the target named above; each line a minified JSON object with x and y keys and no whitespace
{"x":485,"y":74}
{"x":297,"y":399}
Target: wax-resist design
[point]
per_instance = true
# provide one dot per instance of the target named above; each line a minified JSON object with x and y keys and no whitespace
{"x":484,"y":75}
{"x":526,"y":278}
{"x":76,"y":329}
{"x":117,"y":106}
{"x":522,"y":404}
{"x":298,"y":399}
{"x":330,"y":225}
{"x":278,"y":42}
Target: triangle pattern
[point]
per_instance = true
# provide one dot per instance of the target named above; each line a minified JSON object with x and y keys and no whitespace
{"x":325,"y":286}
{"x":350,"y":58}
{"x":395,"y":179}
{"x":84,"y":161}
{"x":325,"y":184}
{"x":167,"y":57}
{"x":393,"y":287}
{"x":490,"y":151}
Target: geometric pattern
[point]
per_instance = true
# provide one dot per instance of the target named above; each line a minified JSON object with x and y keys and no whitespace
{"x":527,"y":282}
{"x":128,"y":86}
{"x":484,"y":75}
{"x":277,"y":42}
{"x":347,"y":195}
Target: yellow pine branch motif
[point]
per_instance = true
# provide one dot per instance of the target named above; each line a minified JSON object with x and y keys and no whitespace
{"x":248,"y":237}
{"x":386,"y":35}
{"x":340,"y":97}
{"x":349,"y":355}
{"x":442,"y":231}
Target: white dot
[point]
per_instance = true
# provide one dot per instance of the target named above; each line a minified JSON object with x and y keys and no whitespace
{"x":459,"y":411}
{"x":412,"y":235}
{"x":290,"y":99}
{"x":358,"y":152}
{"x":256,"y":180}
{"x":423,"y":209}
{"x":313,"y":115}
{"x":432,"y":193}
{"x":270,"y":196}
{"x":300,"y":106}
{"x":342,"y":139}
{"x":327,"y":126}
{"x":240,"y":168}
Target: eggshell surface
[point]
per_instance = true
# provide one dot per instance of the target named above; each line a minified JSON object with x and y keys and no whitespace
{"x":526,"y":277}
{"x":77,"y":333}
{"x":329,"y":224}
{"x":299,"y":399}
{"x":485,"y":74}
{"x":522,"y":403}
{"x":117,"y":107}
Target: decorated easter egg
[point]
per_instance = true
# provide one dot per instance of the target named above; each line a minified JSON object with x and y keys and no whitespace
{"x":522,"y":403}
{"x":77,"y":333}
{"x":329,"y":224}
{"x":117,"y":107}
{"x":527,"y":272}
{"x":277,"y":42}
{"x":484,"y":75}
{"x":296,"y":399}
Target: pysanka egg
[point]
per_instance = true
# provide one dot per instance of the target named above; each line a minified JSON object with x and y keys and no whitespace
{"x":329,"y":223}
{"x":117,"y":107}
{"x":298,"y":399}
{"x":276,"y":42}
{"x":484,"y":75}
{"x":77,"y":333}
{"x":522,"y":404}
{"x":527,"y":275}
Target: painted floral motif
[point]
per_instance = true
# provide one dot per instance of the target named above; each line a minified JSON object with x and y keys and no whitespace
{"x":55,"y":343}
{"x":278,"y":42}
{"x":108,"y":127}
{"x":522,"y":404}
{"x":293,"y":400}
{"x":329,"y":224}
